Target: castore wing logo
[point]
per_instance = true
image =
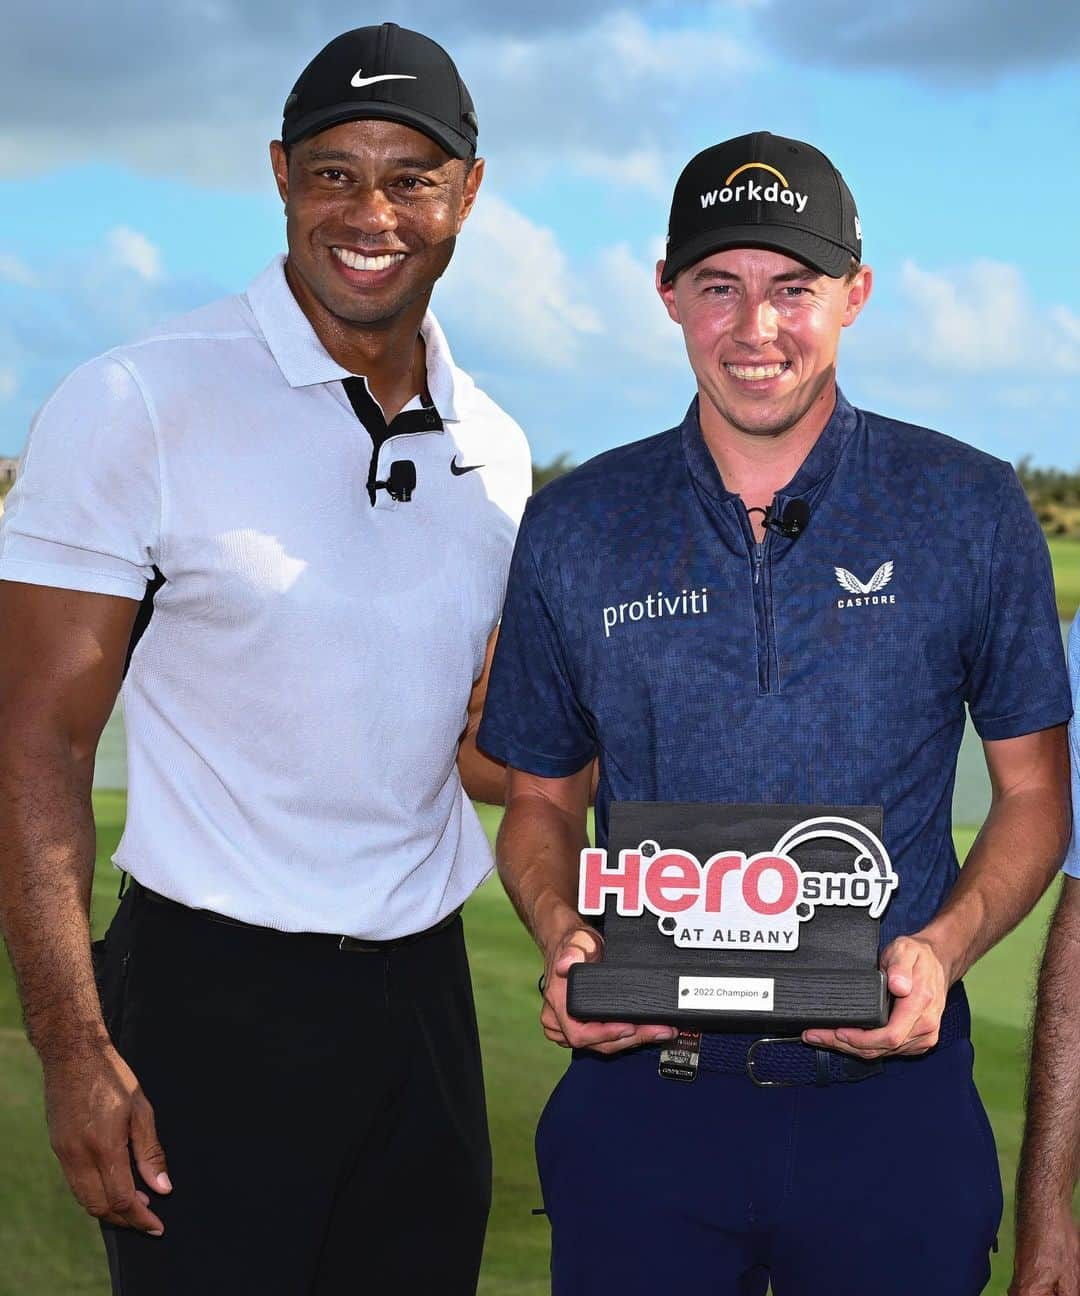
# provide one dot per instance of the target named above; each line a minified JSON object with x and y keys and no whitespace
{"x":876,"y":582}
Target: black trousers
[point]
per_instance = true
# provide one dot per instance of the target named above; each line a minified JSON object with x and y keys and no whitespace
{"x":321,"y":1110}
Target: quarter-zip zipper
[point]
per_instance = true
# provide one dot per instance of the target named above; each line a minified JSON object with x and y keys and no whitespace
{"x":761,"y":593}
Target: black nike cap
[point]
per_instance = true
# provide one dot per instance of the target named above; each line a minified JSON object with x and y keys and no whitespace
{"x":763,"y":191}
{"x":386,"y":72}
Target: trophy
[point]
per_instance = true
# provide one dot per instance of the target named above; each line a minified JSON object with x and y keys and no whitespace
{"x":736,"y":917}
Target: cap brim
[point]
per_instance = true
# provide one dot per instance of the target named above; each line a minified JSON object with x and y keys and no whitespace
{"x":818,"y":253}
{"x":456,"y":144}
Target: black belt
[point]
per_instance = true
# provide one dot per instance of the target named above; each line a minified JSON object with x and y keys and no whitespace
{"x":351,"y":944}
{"x":775,"y":1062}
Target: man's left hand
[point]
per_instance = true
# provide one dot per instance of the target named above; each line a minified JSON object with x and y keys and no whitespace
{"x":918,"y":981}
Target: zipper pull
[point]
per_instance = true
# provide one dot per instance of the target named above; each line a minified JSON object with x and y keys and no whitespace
{"x":759,"y":555}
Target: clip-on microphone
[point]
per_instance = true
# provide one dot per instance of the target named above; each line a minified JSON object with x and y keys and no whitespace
{"x":792,"y":522}
{"x":401,"y":482}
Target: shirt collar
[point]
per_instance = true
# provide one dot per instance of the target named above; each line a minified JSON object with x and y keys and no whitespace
{"x":304,"y":361}
{"x":815,"y":468}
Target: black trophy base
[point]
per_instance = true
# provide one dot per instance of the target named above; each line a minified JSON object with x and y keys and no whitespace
{"x":769,"y":998}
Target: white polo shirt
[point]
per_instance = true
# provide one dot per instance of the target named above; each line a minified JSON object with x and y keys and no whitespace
{"x":294,"y":707}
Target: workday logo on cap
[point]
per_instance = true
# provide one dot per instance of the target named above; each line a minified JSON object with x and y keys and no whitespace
{"x":778,"y":191}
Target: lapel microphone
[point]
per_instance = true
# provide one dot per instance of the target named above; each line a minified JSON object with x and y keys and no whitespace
{"x":401,"y":482}
{"x":792,"y":522}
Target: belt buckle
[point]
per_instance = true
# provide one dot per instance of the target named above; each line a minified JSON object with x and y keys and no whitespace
{"x":770,"y":1039}
{"x":354,"y":945}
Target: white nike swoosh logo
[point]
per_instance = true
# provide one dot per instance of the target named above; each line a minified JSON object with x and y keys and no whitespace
{"x":359,"y":80}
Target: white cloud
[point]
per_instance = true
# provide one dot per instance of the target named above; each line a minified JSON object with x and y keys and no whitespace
{"x":512,"y":291}
{"x":981,"y":318}
{"x":964,"y":39}
{"x":12,"y":270}
{"x":588,"y":86}
{"x":624,"y":289}
{"x":578,"y":347}
{"x":1066,"y":349}
{"x":885,"y":393}
{"x":616,"y":97}
{"x":523,"y":301}
{"x":639,"y":169}
{"x":84,"y":302}
{"x":134,"y":251}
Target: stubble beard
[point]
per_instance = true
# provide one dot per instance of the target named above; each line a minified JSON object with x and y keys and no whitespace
{"x":783,"y":422}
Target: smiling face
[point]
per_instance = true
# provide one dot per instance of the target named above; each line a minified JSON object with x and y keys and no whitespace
{"x":373,"y":209}
{"x":762,"y":332}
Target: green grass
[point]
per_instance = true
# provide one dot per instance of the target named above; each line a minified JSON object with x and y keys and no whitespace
{"x":49,"y":1248}
{"x":1001,"y":987}
{"x":1065,"y":554}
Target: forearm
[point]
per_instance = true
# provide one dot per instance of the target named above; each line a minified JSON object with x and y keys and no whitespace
{"x":46,"y":873}
{"x":1050,"y":1158}
{"x":1013,"y":860}
{"x":538,"y":850}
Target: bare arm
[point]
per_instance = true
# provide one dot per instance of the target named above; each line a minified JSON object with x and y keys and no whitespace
{"x":61,"y":660}
{"x":1047,"y":1245}
{"x":484,"y":779}
{"x":540,"y":842}
{"x":1015,"y":856}
{"x":1017,"y":853}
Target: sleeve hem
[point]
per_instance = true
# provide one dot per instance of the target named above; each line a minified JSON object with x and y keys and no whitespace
{"x":1015,"y":726}
{"x":531,"y":762}
{"x":71,"y":578}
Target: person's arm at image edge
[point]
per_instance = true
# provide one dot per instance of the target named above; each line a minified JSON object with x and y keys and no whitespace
{"x":61,"y":662}
{"x":1047,"y":1240}
{"x":538,"y":851}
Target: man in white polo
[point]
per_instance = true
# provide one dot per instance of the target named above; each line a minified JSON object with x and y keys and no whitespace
{"x":289,"y":518}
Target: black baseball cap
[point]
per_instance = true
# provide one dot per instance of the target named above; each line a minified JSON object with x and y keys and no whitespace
{"x":763,"y":191}
{"x":388,"y":72}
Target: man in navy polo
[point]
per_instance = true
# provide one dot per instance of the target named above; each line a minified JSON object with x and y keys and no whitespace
{"x":785,"y":599}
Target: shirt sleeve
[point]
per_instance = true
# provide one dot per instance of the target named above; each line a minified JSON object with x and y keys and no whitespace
{"x":533,"y":719}
{"x":85,"y":510}
{"x":1018,"y":683}
{"x":1072,"y":856}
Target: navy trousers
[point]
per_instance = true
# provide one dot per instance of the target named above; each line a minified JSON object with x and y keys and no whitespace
{"x":885,"y":1187}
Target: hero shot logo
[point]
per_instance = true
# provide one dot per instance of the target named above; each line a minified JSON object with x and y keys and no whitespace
{"x":760,"y":192}
{"x":733,"y":901}
{"x":868,"y":594}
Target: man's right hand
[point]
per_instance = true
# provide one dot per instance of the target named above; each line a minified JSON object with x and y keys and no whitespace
{"x":584,"y":945}
{"x":1047,"y":1254}
{"x":99,"y":1121}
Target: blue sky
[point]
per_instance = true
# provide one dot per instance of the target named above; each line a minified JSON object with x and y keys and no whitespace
{"x":134,"y":184}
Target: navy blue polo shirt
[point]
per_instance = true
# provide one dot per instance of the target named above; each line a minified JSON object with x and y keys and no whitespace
{"x":645,"y":624}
